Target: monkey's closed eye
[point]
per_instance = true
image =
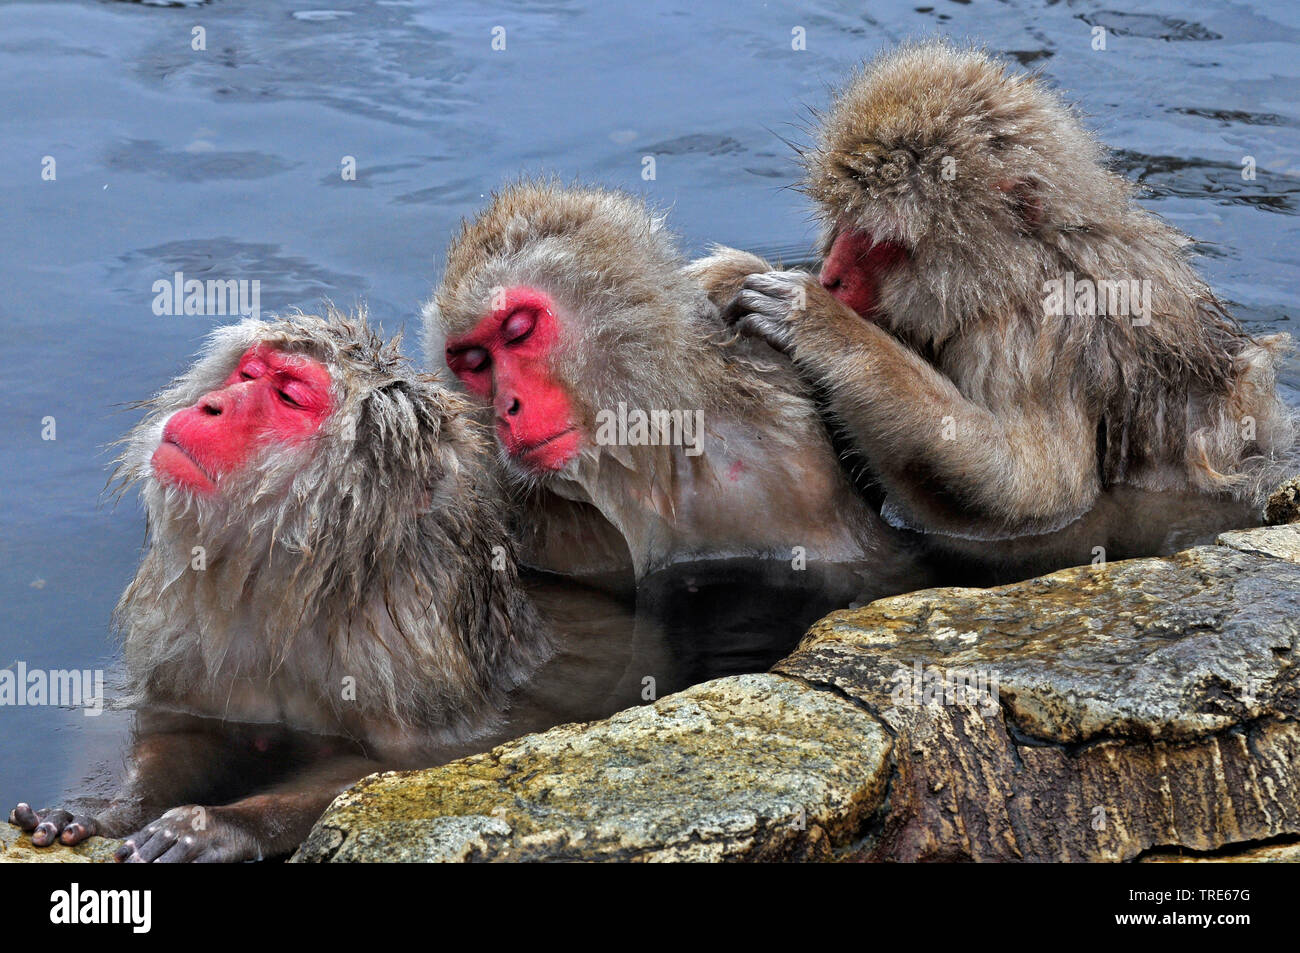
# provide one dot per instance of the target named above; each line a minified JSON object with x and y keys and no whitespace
{"x":470,"y":360}
{"x":286,"y":398}
{"x":518,"y":326}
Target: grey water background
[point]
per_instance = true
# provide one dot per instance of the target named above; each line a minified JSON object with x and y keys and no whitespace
{"x":226,"y":163}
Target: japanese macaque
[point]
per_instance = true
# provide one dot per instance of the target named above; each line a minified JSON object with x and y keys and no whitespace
{"x":328,"y":590}
{"x":998,"y":328}
{"x":606,"y":371}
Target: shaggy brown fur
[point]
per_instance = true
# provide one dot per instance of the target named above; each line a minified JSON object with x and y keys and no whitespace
{"x":355,"y":607}
{"x":1046,"y":410}
{"x":638,"y":327}
{"x":367,"y":555}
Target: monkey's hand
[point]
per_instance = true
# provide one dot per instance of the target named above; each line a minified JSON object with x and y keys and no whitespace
{"x":190,"y":834}
{"x":770,"y":305}
{"x":51,"y":824}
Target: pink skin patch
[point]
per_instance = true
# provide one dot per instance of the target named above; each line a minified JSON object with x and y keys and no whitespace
{"x":852,"y":270}
{"x":735,"y":470}
{"x":506,"y":359}
{"x":270,"y":397}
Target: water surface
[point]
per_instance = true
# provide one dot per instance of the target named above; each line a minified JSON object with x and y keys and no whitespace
{"x":226,"y":163}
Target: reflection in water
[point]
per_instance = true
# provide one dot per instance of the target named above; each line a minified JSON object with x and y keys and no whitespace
{"x":1126,"y":523}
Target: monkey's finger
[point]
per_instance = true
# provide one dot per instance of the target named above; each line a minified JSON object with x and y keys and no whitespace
{"x":78,"y":829}
{"x":25,"y":817}
{"x":181,"y":852}
{"x":50,"y":827}
{"x":153,"y":844}
{"x":750,"y":303}
{"x":774,"y":333}
{"x":756,"y":302}
{"x":130,"y":850}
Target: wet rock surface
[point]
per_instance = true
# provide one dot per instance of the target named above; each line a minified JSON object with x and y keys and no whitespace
{"x":1137,"y":710}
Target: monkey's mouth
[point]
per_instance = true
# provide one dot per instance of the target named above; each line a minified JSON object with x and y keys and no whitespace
{"x":551,"y":453}
{"x":173,"y":464}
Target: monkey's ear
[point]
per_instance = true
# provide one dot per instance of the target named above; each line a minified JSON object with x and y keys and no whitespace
{"x":1025,"y":198}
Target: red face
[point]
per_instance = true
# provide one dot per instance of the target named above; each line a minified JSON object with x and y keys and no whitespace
{"x":854,"y":267}
{"x":270,"y":397}
{"x":505,"y":359}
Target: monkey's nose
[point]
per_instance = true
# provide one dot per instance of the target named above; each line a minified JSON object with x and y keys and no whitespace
{"x":513,"y":409}
{"x":210,"y":404}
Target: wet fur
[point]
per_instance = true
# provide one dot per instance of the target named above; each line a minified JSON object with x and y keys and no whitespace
{"x":365,"y":553}
{"x":1158,"y":406}
{"x":645,"y":330}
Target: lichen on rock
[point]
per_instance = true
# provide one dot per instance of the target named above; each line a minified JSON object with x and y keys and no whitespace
{"x":1141,"y":703}
{"x":752,"y":767}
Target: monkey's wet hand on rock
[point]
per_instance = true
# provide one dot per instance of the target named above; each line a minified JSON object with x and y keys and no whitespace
{"x":51,"y":824}
{"x":768,"y":306}
{"x":189,"y":834}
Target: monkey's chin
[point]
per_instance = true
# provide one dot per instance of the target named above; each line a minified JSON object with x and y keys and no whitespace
{"x":174,"y":467}
{"x":550,"y":455}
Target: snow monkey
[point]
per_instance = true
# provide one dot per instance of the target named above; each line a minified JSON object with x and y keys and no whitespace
{"x":328,"y":588}
{"x":606,"y":371}
{"x":1001,"y":332}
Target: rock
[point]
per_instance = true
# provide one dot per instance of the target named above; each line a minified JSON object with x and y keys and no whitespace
{"x":1134,"y":710}
{"x":16,"y":848}
{"x":1283,"y":505}
{"x":1282,"y":542}
{"x":752,"y":767}
{"x":1142,"y":704}
{"x":1268,"y":854}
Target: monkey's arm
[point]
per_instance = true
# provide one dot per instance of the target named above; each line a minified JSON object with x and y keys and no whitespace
{"x":954,"y":464}
{"x":175,"y":759}
{"x":268,"y":824}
